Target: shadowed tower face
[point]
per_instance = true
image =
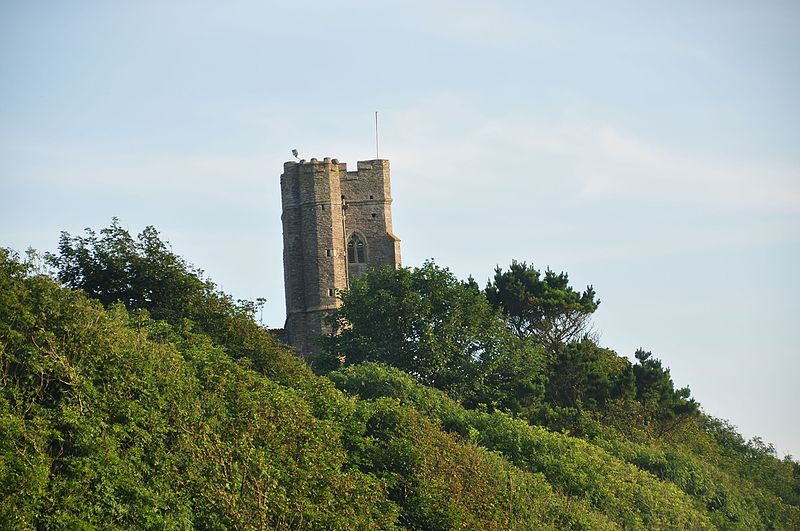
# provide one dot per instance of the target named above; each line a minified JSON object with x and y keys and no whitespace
{"x":336,"y":224}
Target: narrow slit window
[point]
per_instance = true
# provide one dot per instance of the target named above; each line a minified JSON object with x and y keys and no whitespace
{"x":327,"y":252}
{"x":330,"y":293}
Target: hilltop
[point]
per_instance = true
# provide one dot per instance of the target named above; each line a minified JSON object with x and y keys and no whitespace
{"x":136,"y":394}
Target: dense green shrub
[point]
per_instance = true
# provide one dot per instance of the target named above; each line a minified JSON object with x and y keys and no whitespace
{"x":442,"y":482}
{"x":572,"y":466}
{"x":112,"y":419}
{"x":162,"y":404}
{"x":732,"y":500}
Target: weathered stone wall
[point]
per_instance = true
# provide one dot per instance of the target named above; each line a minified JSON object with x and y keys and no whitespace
{"x":323,"y":205}
{"x":369,"y":213}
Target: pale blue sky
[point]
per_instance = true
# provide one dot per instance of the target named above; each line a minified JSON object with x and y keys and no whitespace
{"x":648,"y":148}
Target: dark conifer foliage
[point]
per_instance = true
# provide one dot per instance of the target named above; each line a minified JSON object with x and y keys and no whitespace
{"x":544,"y":308}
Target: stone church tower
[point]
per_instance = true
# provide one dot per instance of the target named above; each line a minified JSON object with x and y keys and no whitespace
{"x":336,"y":223}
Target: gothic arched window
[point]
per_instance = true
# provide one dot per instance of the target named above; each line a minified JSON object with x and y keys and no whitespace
{"x":355,"y":250}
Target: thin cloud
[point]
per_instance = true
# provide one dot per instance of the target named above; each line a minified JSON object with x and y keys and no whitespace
{"x":85,"y":168}
{"x":593,"y":161}
{"x":619,"y":165}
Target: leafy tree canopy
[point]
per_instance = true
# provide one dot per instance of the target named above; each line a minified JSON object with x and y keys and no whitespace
{"x":144,"y":274}
{"x":543,"y":308}
{"x":440,"y":330}
{"x":139,"y":272}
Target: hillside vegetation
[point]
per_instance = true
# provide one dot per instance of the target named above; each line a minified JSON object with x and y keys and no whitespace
{"x":134,"y":394}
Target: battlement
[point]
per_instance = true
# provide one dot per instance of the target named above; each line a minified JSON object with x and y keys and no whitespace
{"x":302,"y":162}
{"x":361,"y":165}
